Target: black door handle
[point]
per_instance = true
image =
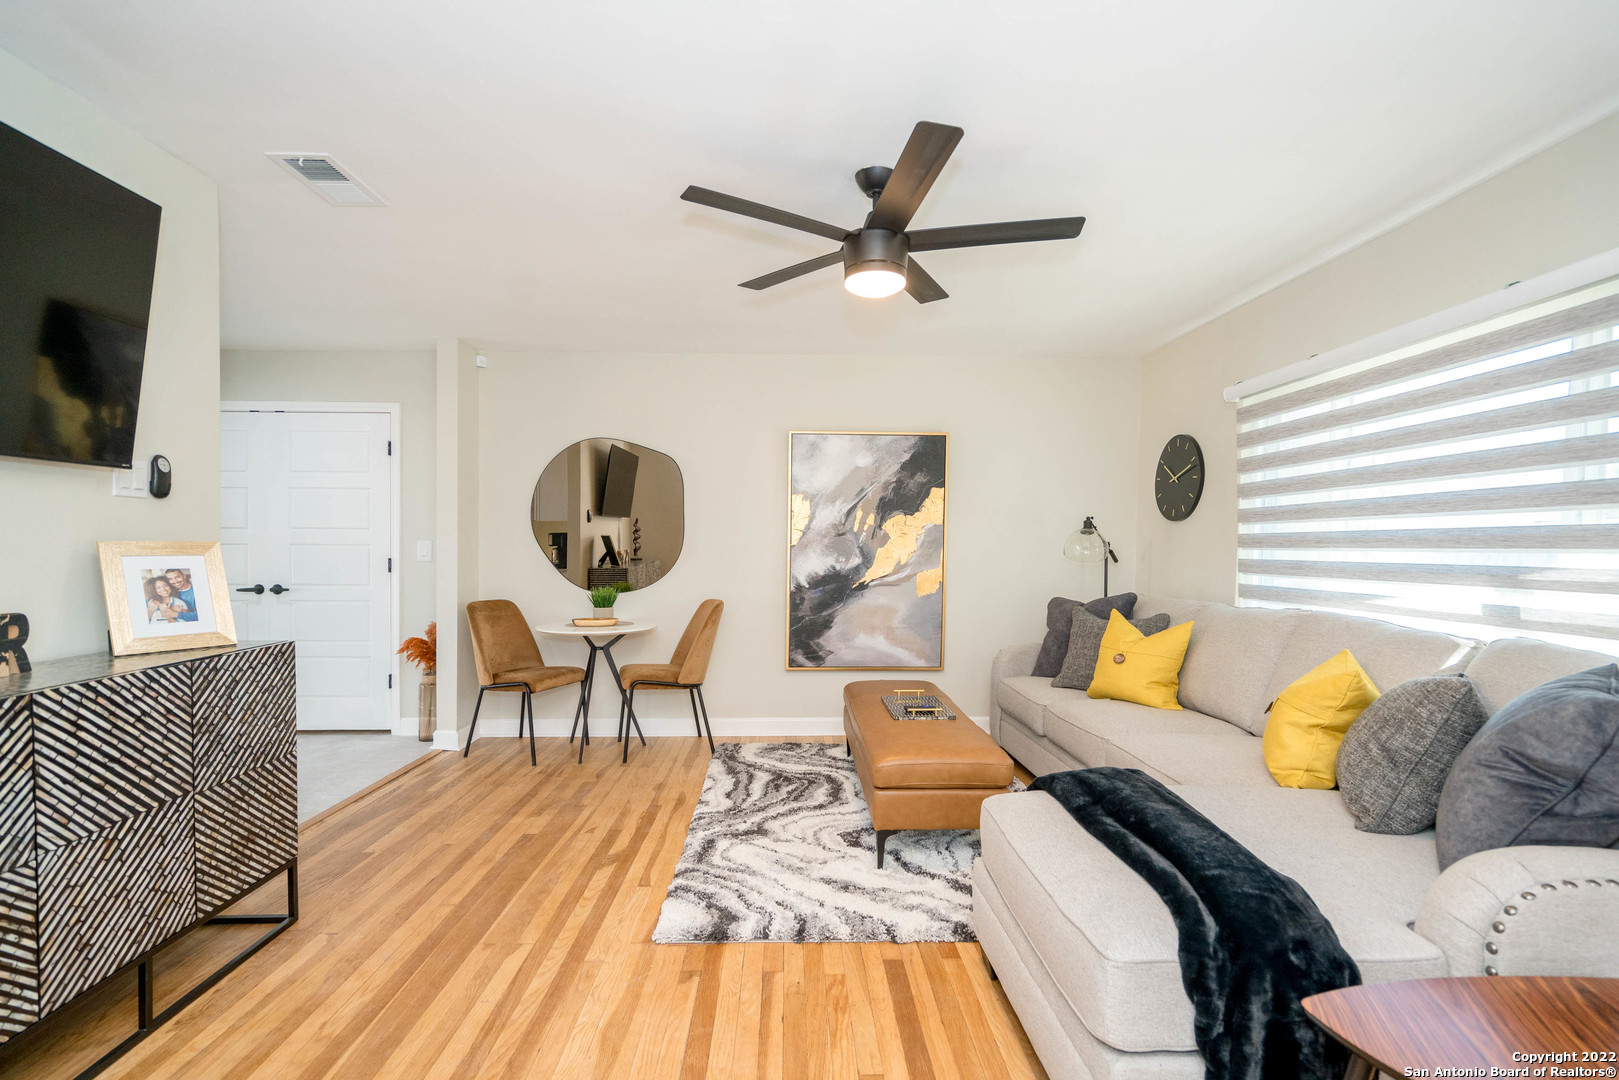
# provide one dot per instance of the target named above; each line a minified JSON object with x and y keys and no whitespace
{"x":253,"y":589}
{"x":278,"y":589}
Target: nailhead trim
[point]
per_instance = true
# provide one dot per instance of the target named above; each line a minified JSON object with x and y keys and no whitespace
{"x":1500,"y":927}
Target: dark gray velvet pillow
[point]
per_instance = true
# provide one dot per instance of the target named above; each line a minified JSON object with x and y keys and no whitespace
{"x":1545,"y":770}
{"x":1395,"y":758}
{"x":1085,"y":645}
{"x":1060,"y":621}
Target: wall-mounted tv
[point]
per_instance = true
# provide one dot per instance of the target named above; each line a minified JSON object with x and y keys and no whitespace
{"x":77,"y":257}
{"x":618,"y":483}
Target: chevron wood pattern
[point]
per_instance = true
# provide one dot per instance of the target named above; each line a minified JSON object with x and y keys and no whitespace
{"x":132,"y":804}
{"x":108,"y":750}
{"x":246,"y":827}
{"x":245,"y":711}
{"x":19,"y":949}
{"x":109,"y":898}
{"x":16,"y":784}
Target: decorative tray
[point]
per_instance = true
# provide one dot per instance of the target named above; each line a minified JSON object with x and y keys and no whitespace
{"x":916,"y":706}
{"x":595,"y":622}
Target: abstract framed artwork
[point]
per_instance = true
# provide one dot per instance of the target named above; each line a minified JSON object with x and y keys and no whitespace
{"x":164,"y":595}
{"x":865,"y":550}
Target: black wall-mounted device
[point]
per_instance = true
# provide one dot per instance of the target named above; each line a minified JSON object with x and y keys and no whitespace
{"x":162,"y":478}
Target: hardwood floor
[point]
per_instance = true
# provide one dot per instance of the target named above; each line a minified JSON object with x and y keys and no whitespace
{"x":482,"y":918}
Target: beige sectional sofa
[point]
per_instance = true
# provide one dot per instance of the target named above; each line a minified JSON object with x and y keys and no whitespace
{"x":1086,"y":951}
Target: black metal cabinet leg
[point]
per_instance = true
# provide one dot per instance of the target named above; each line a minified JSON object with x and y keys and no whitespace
{"x":474,"y":728}
{"x":706,"y":724}
{"x":882,"y":842}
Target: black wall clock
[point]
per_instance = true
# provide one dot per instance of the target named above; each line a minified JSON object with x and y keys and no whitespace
{"x":1178,"y":482}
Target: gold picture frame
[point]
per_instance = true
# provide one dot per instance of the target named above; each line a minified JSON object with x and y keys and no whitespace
{"x":798,"y":509}
{"x":155,"y":602}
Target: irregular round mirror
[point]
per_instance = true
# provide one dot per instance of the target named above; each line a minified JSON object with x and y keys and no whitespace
{"x":607,"y":511}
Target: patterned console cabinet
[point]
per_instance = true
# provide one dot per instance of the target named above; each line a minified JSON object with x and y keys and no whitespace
{"x":138,"y":797}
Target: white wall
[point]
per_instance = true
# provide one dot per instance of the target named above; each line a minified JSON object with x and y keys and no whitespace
{"x":403,"y":378}
{"x":56,"y":513}
{"x":1034,"y":447}
{"x":1555,"y":208}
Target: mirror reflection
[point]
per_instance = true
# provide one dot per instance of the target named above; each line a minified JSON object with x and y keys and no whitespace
{"x":609,"y":511}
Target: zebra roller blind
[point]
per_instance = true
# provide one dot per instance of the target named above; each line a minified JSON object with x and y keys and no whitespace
{"x":1467,"y":484}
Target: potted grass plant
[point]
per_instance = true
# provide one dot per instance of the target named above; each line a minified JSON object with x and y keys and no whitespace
{"x":602,"y":598}
{"x":423,"y":653}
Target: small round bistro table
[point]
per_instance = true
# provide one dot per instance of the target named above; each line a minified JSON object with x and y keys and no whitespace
{"x":601,"y":639}
{"x":1506,"y":1021}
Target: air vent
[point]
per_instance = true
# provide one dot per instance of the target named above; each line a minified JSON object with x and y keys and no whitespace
{"x":331,"y":181}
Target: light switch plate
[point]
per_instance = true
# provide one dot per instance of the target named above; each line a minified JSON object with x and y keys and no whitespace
{"x":424,"y":551}
{"x":129,"y":483}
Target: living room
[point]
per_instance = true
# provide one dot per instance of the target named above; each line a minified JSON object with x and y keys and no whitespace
{"x":473,"y":264}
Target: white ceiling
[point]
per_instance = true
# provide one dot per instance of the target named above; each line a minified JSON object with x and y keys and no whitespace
{"x":532,"y":153}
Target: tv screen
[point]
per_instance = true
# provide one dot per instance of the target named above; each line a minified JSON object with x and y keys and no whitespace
{"x":77,"y":257}
{"x":618,"y":486}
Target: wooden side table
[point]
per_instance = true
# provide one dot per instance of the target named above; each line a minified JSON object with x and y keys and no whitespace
{"x":1402,"y":1028}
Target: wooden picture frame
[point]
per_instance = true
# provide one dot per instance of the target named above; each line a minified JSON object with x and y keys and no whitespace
{"x":155,"y":602}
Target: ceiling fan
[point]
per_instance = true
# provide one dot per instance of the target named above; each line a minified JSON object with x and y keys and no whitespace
{"x":877,"y":256}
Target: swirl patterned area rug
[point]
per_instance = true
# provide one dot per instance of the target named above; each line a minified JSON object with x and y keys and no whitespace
{"x":781,"y":848}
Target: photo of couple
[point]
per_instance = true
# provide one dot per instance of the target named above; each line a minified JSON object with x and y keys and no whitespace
{"x":170,"y":596}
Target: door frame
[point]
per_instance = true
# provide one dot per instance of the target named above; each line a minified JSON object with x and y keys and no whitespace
{"x":395,"y":512}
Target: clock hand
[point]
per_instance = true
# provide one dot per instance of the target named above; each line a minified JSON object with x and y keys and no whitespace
{"x":1164,"y":467}
{"x":1178,"y":475}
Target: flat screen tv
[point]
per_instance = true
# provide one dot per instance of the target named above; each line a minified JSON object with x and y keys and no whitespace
{"x":77,"y":256}
{"x":618,"y":485}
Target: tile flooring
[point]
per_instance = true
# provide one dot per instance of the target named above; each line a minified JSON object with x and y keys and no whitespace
{"x":332,"y":765}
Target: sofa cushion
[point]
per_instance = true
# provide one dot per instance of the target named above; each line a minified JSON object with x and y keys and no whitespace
{"x":1230,"y":759}
{"x":1025,"y":697}
{"x":1231,"y":659}
{"x":1544,"y":770}
{"x":1110,"y":943}
{"x":1309,"y":719}
{"x":1179,"y":611}
{"x":1390,"y":654}
{"x":1505,"y":668}
{"x":1085,"y":727}
{"x":1395,"y":758}
{"x":1085,"y":645}
{"x":1059,"y":619}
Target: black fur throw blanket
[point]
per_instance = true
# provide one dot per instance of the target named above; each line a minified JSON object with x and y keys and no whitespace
{"x":1253,"y":944}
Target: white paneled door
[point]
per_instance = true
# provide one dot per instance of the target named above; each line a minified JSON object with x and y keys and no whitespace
{"x":306,"y":513}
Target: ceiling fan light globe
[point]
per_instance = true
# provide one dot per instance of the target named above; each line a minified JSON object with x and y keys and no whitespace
{"x":874,"y":283}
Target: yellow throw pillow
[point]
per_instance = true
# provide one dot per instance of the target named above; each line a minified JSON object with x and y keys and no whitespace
{"x":1309,"y":719}
{"x":1134,"y":667}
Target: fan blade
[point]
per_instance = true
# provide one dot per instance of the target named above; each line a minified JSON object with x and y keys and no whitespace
{"x":735,"y":205}
{"x":920,"y":284}
{"x":795,"y":270}
{"x":919,"y":165}
{"x":1001,"y":232}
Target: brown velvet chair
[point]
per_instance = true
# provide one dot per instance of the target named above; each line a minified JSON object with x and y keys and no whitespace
{"x":508,"y":659}
{"x":686,"y":671}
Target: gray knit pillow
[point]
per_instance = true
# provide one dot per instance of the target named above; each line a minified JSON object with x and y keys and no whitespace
{"x":1396,"y":756}
{"x":1085,"y":644}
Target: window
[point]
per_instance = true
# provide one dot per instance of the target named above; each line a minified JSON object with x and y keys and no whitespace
{"x":1469,"y":483}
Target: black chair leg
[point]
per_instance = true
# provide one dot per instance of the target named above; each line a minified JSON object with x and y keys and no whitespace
{"x":691,"y":692}
{"x":629,"y":712}
{"x":528,"y":705}
{"x":473,"y":729}
{"x":622,"y":734}
{"x":706,"y":724}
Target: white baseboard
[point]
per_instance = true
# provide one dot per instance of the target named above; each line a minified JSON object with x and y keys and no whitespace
{"x":668,"y":727}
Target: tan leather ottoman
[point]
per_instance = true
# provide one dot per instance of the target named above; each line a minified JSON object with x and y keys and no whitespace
{"x":919,"y":774}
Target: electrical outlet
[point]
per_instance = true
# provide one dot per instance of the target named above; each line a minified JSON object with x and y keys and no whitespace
{"x":424,"y":551}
